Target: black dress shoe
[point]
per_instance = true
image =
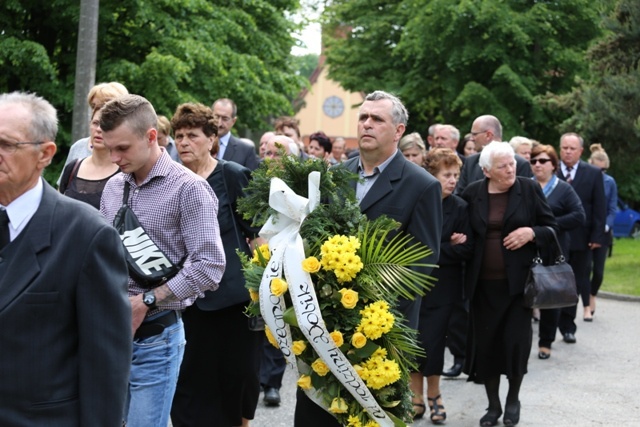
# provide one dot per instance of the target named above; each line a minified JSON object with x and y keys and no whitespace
{"x":491,"y":417}
{"x":511,"y":414}
{"x":454,"y":371}
{"x":569,"y":338}
{"x":271,"y":396}
{"x":543,"y":355}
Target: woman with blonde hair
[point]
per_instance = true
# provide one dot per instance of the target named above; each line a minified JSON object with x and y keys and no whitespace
{"x":522,"y":146}
{"x":84,"y":179}
{"x":413,"y":148}
{"x":600,"y":159}
{"x":99,"y":95}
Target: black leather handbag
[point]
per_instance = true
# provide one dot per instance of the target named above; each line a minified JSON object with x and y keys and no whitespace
{"x":551,"y":286}
{"x":147,"y":264}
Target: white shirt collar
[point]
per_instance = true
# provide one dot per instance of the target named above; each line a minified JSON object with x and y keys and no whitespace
{"x":23,"y":208}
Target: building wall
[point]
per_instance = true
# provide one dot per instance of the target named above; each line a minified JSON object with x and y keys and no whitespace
{"x":330,"y":95}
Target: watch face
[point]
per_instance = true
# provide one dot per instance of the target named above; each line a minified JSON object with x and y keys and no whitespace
{"x":333,"y":107}
{"x":149,"y":299}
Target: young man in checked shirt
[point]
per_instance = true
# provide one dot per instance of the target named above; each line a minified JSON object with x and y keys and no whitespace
{"x":178,"y":211}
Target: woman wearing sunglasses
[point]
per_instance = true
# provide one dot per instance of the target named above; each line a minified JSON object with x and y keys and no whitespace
{"x":567,"y":208}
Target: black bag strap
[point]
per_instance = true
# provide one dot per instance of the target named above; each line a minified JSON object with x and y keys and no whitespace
{"x":233,"y":216}
{"x":125,"y":193}
{"x":559,"y":259}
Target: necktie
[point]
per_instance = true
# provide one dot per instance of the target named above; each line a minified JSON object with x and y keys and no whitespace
{"x":567,"y":176}
{"x":5,"y":238}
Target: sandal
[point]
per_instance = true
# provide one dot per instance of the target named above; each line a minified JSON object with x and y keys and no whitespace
{"x":438,"y":413}
{"x":417,"y":415}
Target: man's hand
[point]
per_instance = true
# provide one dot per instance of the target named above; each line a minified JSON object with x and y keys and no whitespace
{"x":138,"y":310}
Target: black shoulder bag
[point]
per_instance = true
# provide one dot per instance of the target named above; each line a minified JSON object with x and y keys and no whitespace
{"x":551,"y":286}
{"x":148,"y":265}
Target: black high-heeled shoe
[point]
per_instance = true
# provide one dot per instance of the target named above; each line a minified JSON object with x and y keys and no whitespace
{"x":511,"y":414}
{"x":491,"y":418}
{"x":438,"y":413}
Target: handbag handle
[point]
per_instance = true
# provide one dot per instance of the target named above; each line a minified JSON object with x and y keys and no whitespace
{"x":559,"y":257}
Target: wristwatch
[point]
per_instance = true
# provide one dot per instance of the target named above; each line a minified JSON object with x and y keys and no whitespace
{"x":149,"y":299}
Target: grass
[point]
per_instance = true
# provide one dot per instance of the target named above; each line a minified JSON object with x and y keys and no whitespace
{"x":622,"y":270}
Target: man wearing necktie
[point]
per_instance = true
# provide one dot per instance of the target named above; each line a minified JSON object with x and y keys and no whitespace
{"x":587,"y":181}
{"x":65,"y":321}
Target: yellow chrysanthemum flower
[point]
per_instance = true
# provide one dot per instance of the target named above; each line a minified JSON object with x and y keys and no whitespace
{"x":264,"y":251}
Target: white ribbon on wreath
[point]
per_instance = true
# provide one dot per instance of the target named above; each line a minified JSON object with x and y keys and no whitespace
{"x":287,"y":254}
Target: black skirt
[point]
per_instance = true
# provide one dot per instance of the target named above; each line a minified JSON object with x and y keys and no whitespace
{"x":500,"y":334}
{"x":219,"y":382}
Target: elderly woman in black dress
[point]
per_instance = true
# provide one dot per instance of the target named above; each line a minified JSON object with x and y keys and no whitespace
{"x":567,"y":208}
{"x":456,"y":246}
{"x":509,"y":216}
{"x":219,"y":376}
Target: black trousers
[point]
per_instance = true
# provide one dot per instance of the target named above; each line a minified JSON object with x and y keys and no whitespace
{"x":580,"y":262}
{"x":457,"y":329}
{"x":272,"y":365}
{"x":599,"y":259}
{"x":548,"y":326}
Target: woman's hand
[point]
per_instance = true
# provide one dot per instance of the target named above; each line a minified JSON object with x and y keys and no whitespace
{"x":518,"y":238}
{"x":458,"y":238}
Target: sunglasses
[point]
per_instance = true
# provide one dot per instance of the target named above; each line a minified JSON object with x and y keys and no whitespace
{"x":541,"y":161}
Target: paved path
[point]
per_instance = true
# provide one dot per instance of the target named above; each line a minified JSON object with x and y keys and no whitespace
{"x":595,"y":382}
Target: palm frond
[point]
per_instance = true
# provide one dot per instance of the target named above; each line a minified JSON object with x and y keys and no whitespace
{"x":397,"y":261}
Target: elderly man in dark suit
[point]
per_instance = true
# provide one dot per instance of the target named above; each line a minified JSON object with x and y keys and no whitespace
{"x":485,"y":129}
{"x":394,"y":187}
{"x":231,"y":148}
{"x":587,"y":181}
{"x":66,"y":320}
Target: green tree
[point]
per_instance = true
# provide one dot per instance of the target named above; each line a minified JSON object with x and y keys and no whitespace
{"x":606,"y":107}
{"x":452,"y":60}
{"x":305,"y":65}
{"x":170,"y":51}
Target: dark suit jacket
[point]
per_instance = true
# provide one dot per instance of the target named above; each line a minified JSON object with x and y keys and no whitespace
{"x":65,"y":334}
{"x":567,"y":208}
{"x":471,"y":171}
{"x":527,"y":207}
{"x":589,"y":186}
{"x":242,"y":153}
{"x":409,"y":194}
{"x":450,"y":271}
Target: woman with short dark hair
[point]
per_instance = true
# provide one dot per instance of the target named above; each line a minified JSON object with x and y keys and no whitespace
{"x":218,"y":384}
